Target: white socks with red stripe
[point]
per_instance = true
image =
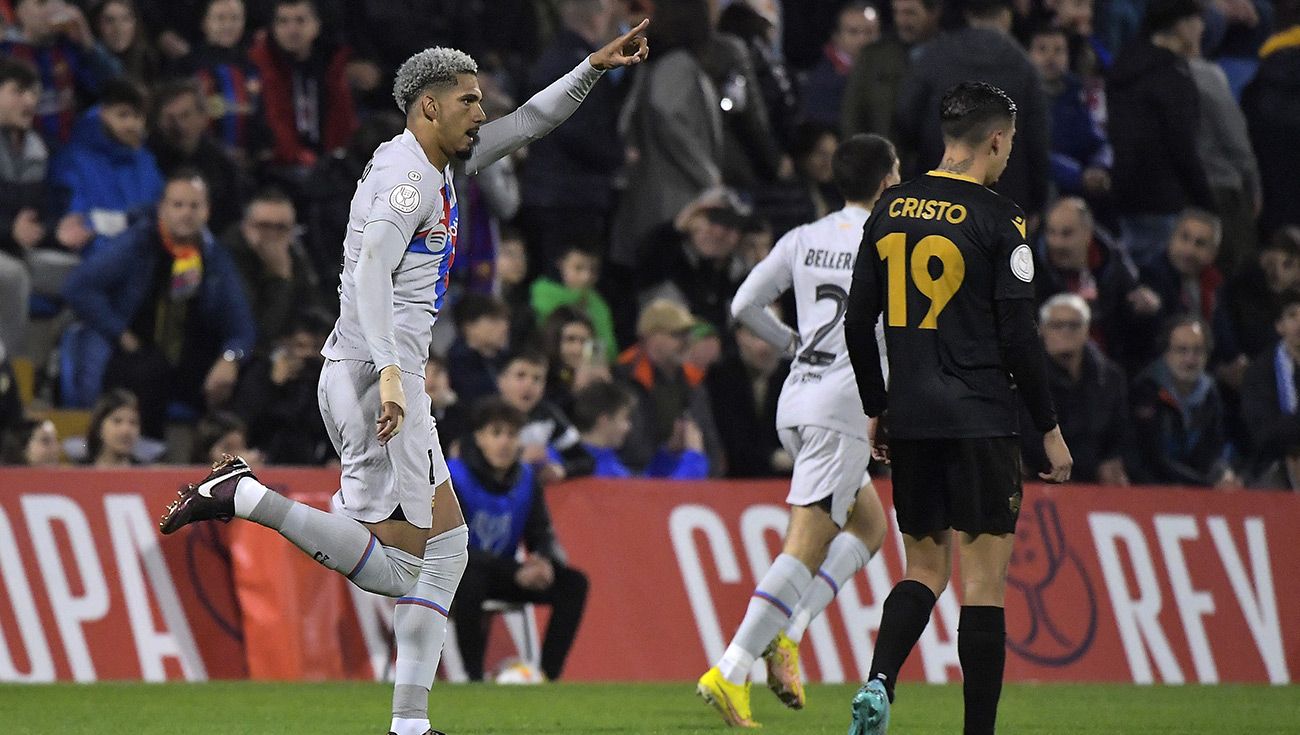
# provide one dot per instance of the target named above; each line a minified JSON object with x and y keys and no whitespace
{"x":339,"y":543}
{"x":846,"y":555}
{"x":420,"y":626}
{"x":769,"y":609}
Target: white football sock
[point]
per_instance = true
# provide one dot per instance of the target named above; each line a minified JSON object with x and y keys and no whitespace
{"x":769,"y":609}
{"x":340,"y":543}
{"x":847,"y":554}
{"x":420,"y":626}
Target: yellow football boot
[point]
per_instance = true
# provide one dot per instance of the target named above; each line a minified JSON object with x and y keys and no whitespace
{"x":783,"y":675}
{"x":730,"y":700}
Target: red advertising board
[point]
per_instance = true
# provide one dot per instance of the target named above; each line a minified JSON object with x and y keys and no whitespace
{"x":1107,"y":584}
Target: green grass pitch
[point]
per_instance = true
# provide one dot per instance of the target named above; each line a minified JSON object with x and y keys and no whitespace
{"x":607,"y":709}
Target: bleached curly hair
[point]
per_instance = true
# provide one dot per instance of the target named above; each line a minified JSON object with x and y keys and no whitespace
{"x":432,"y":67}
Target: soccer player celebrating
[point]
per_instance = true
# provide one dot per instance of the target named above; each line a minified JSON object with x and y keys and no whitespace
{"x":836,"y":521}
{"x":386,"y":535}
{"x":945,"y":258}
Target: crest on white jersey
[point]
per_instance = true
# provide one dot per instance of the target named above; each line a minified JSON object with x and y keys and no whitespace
{"x":1022,"y":263}
{"x":414,"y":175}
{"x":405,"y":198}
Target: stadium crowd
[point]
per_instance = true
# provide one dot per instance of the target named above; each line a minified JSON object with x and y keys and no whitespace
{"x":175,"y":178}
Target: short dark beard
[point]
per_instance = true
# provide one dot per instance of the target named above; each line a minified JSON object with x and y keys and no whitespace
{"x":465,"y":155}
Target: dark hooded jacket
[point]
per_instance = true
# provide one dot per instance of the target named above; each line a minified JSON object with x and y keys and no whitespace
{"x":1154,"y":113}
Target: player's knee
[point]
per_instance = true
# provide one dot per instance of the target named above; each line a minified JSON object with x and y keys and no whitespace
{"x":981,"y":588}
{"x":932,"y":575}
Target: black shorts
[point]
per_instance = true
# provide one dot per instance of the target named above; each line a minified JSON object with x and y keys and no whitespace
{"x":971,"y":485}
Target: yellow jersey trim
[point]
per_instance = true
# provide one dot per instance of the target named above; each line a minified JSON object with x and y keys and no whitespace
{"x":951,"y":175}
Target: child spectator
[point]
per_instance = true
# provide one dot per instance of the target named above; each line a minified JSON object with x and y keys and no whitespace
{"x":109,"y":176}
{"x":603,"y":415}
{"x":504,"y":506}
{"x":569,"y":339}
{"x":221,"y":433}
{"x":449,"y":414}
{"x":550,"y":443}
{"x":479,"y":352}
{"x":114,"y":430}
{"x":506,"y":276}
{"x":579,"y":270}
{"x":34,"y":443}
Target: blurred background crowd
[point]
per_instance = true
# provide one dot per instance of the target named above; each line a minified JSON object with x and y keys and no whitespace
{"x":175,"y":178}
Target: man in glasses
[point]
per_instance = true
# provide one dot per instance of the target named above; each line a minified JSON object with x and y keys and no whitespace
{"x":273,"y":265}
{"x":1088,"y":390}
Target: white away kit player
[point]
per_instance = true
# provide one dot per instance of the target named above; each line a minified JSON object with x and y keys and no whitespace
{"x":397,"y":528}
{"x":834,"y":528}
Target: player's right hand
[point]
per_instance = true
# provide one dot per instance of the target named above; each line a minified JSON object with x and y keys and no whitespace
{"x":878,"y":435}
{"x":392,"y":404}
{"x":1058,"y":455}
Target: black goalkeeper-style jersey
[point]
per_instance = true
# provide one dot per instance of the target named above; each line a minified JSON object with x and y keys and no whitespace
{"x":944,"y":258}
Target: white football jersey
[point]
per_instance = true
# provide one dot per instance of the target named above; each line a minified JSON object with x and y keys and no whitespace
{"x":817,"y":260}
{"x":400,"y":186}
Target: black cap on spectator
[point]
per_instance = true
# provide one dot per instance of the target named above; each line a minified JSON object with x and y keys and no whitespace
{"x":1162,"y":15}
{"x":18,"y":71}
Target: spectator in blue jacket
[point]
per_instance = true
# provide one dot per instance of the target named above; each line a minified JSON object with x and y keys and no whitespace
{"x":108,"y":174}
{"x":602,"y":412}
{"x":1081,"y":155}
{"x":166,"y":311}
{"x":504,"y":507}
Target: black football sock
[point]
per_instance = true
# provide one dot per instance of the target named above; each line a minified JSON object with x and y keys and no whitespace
{"x":906,"y":613}
{"x":982,"y":648}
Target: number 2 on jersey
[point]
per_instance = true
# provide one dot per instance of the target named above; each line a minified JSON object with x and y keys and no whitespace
{"x":811,"y":354}
{"x":893,"y":250}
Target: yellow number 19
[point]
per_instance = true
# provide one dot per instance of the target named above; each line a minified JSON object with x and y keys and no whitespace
{"x":893,"y":250}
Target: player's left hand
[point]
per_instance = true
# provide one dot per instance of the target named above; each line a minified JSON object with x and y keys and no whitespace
{"x":626,"y":50}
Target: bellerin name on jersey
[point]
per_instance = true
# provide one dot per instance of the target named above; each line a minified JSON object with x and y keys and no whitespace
{"x":828,"y":259}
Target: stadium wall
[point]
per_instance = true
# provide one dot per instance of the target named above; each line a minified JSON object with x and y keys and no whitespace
{"x":1107,"y":584}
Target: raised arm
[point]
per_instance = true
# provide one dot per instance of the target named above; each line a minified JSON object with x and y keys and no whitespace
{"x":544,"y":111}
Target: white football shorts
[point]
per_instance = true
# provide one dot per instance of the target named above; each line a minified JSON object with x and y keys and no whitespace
{"x":827,"y":464}
{"x":378,"y":479}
